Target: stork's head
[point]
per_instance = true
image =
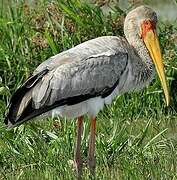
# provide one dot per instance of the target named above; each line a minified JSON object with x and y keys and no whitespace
{"x":140,"y":24}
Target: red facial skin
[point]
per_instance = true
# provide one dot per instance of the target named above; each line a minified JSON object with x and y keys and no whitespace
{"x":147,"y":26}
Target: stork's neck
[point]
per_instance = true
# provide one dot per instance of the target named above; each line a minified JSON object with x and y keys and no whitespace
{"x":137,"y":43}
{"x":142,"y":67}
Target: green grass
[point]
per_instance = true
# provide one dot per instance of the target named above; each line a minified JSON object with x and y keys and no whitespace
{"x":136,"y":135}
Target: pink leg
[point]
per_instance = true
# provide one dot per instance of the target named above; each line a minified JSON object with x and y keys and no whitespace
{"x":78,"y":159}
{"x":91,"y":151}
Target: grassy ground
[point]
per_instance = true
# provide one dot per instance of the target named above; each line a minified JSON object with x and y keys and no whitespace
{"x":136,"y":135}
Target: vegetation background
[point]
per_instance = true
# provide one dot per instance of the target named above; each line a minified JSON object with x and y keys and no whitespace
{"x":136,"y":135}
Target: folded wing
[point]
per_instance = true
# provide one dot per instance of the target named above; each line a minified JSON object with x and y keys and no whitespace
{"x":67,"y":84}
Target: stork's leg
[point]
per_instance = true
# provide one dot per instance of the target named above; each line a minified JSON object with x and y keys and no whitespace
{"x":91,"y":151}
{"x":78,"y":159}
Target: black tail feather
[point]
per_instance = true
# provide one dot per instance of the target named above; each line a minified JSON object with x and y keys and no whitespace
{"x":11,"y":116}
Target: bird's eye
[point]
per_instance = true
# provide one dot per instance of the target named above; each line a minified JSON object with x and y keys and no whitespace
{"x":147,"y":23}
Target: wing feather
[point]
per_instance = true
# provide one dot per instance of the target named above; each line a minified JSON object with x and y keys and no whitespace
{"x":91,"y":77}
{"x":88,"y":70}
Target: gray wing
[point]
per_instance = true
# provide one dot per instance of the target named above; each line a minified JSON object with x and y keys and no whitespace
{"x":76,"y":82}
{"x":73,"y":76}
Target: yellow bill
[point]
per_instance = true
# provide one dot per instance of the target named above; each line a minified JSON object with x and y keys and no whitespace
{"x":152,"y":44}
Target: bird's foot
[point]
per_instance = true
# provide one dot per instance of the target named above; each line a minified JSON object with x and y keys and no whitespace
{"x":78,"y":167}
{"x":92,"y":165}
